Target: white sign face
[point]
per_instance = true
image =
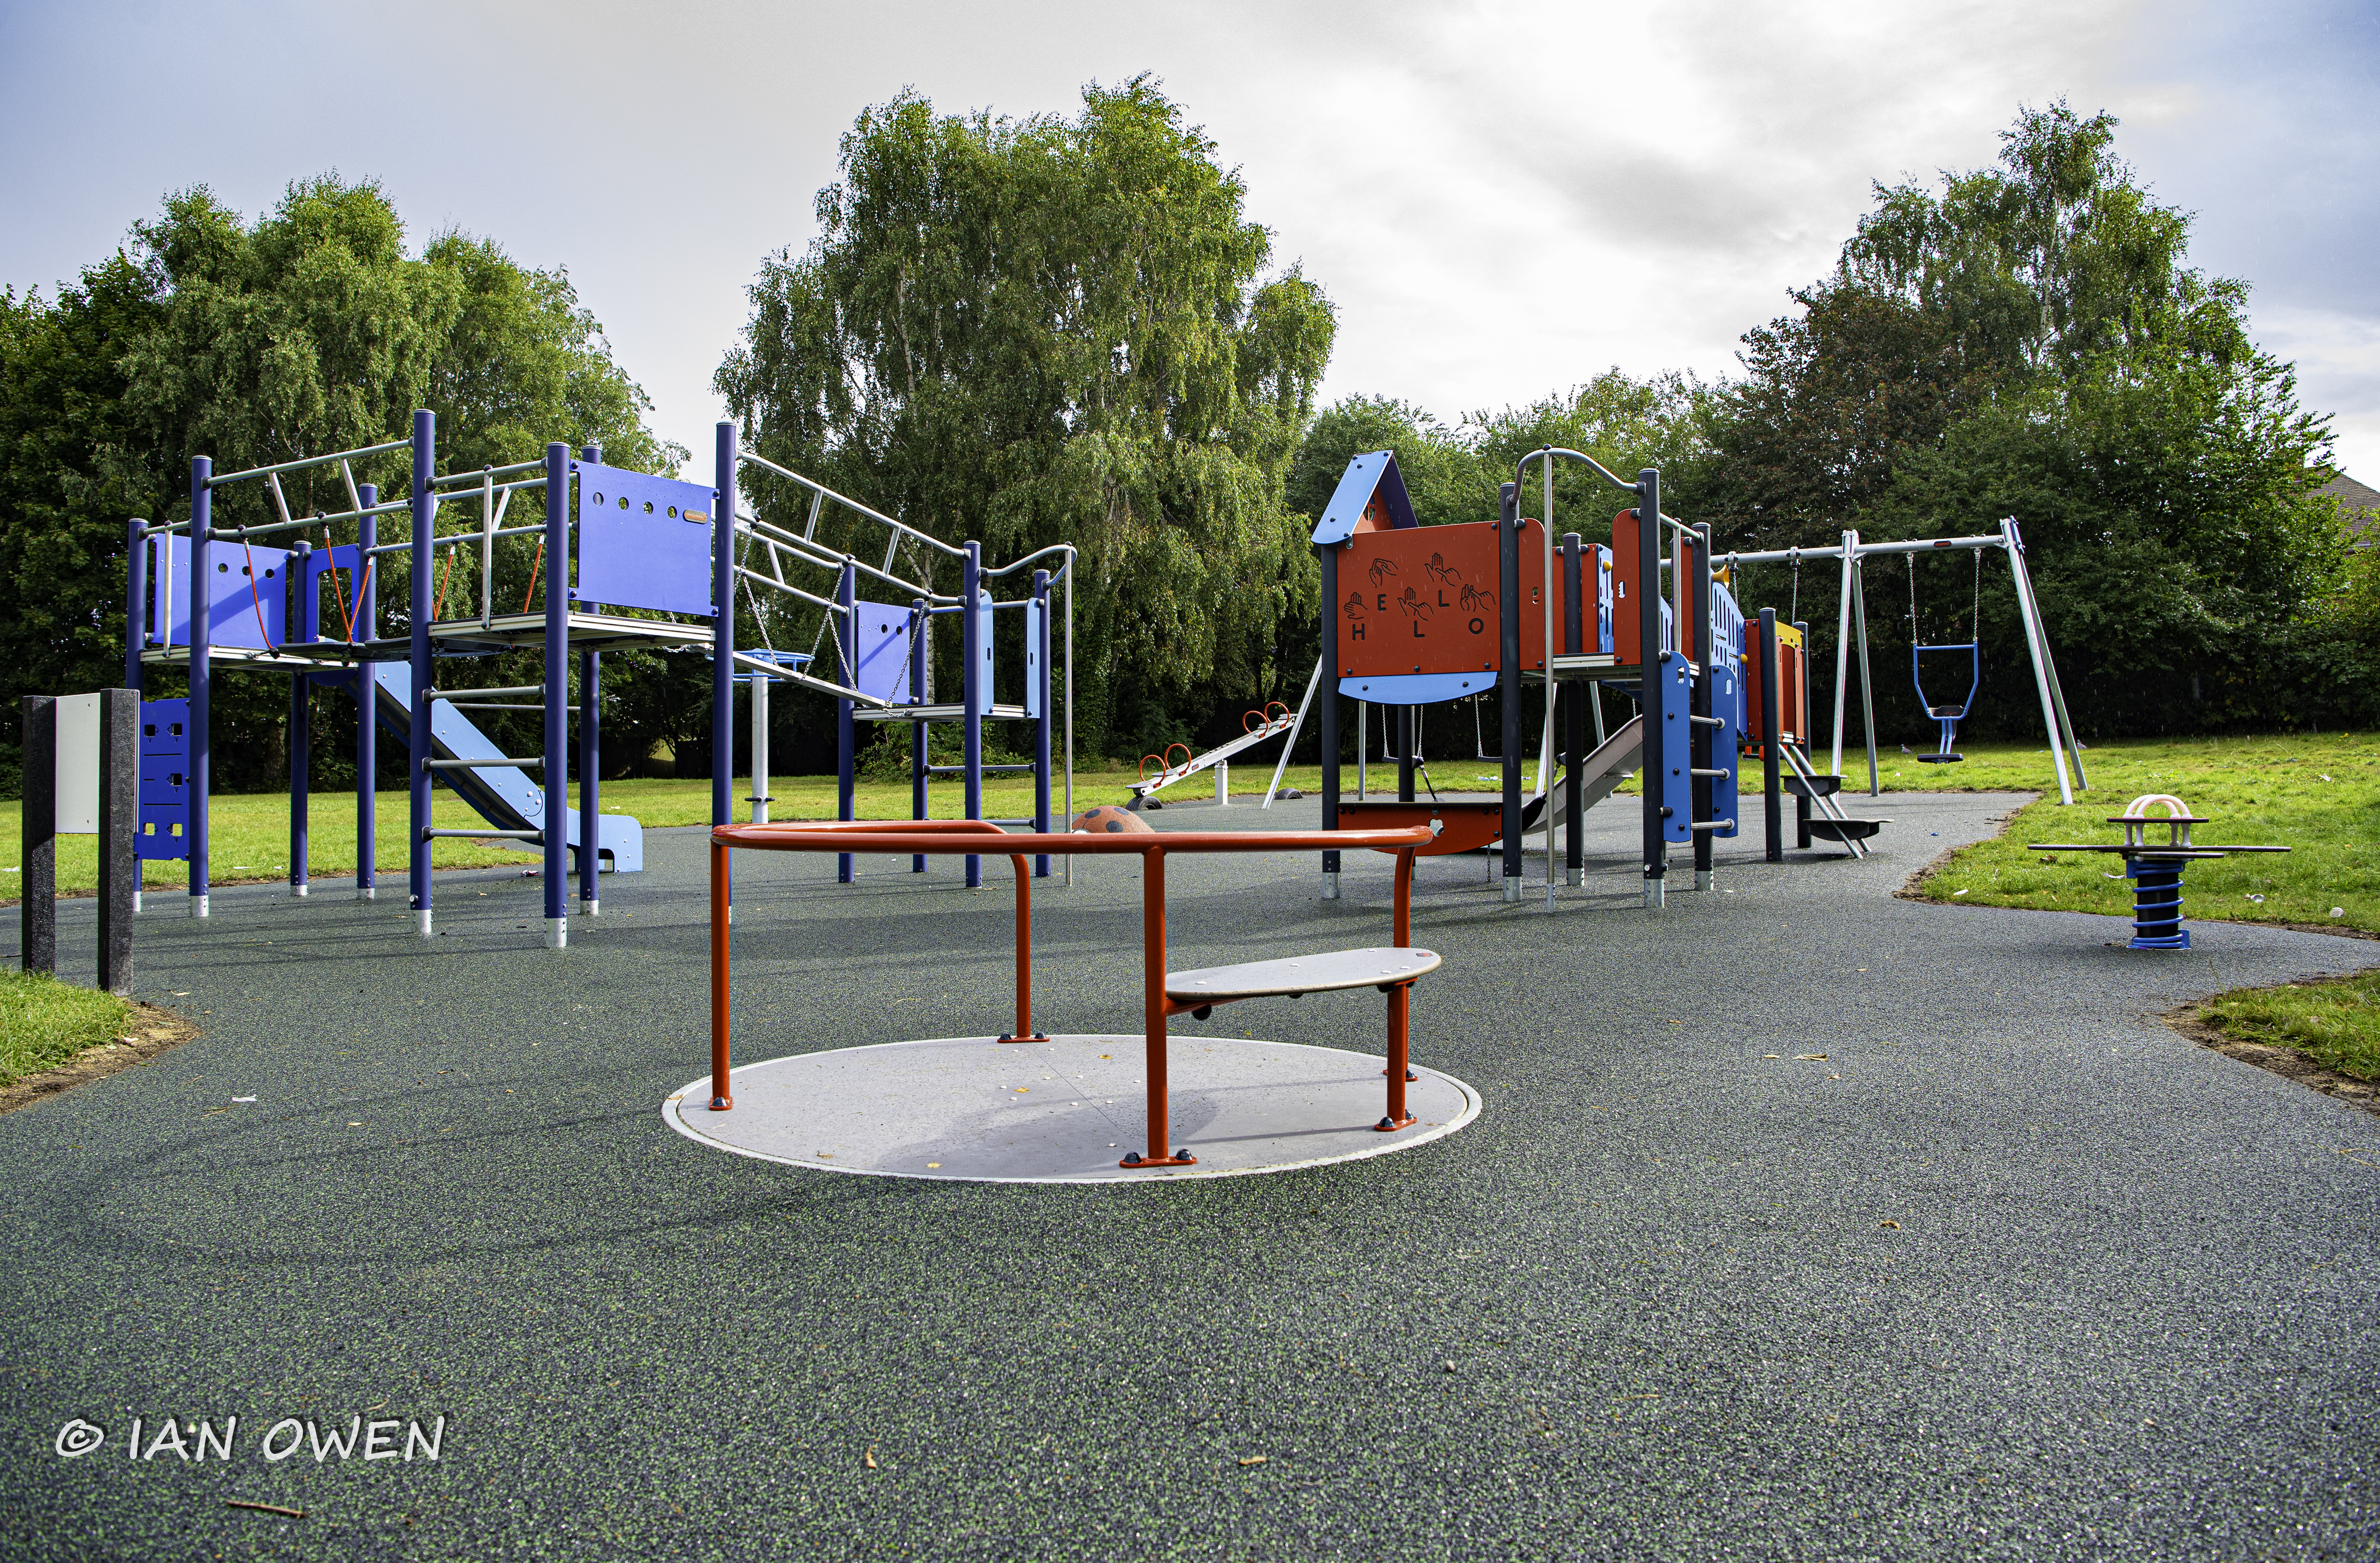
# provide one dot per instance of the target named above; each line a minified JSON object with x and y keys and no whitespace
{"x":77,"y":778}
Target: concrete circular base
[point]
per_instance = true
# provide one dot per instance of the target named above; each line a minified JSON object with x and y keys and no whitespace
{"x":1064,"y":1110}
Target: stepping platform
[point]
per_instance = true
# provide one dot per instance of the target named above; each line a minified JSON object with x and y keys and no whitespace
{"x":1828,"y":829}
{"x":975,"y":1109}
{"x":1324,"y":973}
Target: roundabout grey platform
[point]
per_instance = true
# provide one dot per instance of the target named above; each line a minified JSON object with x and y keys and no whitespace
{"x":1064,"y":1110}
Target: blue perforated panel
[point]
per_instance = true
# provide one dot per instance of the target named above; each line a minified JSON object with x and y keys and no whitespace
{"x":242,"y":608}
{"x":163,"y":831}
{"x":882,"y":667}
{"x":643,"y":542}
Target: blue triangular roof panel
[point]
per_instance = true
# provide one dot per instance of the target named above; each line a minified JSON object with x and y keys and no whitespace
{"x":1371,"y":476}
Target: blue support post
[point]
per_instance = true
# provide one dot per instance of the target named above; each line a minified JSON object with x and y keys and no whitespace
{"x":971,"y":692}
{"x":1327,"y":718}
{"x":366,"y":588}
{"x":1038,"y":626}
{"x":555,"y":836}
{"x":921,"y":631}
{"x":136,"y":599}
{"x":1650,"y":655}
{"x":1694,"y":598}
{"x":2156,"y":903}
{"x":202,"y":514}
{"x":418,"y":772}
{"x":301,"y":720}
{"x":846,"y":593}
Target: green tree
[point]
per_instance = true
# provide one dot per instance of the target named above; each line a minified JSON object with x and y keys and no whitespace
{"x":1043,"y":329}
{"x":308,"y":330}
{"x":2029,"y":341}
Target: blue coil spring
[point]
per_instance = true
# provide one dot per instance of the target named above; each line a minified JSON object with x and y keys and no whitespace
{"x":2156,"y":903}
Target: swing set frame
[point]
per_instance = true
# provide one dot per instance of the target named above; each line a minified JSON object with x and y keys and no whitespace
{"x":1852,"y":631}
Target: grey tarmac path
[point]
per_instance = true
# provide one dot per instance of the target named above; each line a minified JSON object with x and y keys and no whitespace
{"x":2014,"y":1272}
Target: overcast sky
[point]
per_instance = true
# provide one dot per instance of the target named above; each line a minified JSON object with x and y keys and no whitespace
{"x":1502,"y":198}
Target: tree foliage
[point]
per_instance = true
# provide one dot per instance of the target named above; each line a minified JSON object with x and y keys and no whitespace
{"x":2028,"y":340}
{"x":1045,"y":330}
{"x":310,"y":329}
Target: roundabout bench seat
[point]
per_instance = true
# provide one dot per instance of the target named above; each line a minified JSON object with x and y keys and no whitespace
{"x":1327,"y":972}
{"x":1391,"y":969}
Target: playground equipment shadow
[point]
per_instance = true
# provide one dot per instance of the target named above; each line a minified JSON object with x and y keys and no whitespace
{"x":1802,"y":1221}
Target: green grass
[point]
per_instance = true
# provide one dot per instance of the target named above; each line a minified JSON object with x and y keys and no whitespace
{"x":45,"y":1022}
{"x":2319,"y":796}
{"x":2335,"y":1024}
{"x":251,"y":830}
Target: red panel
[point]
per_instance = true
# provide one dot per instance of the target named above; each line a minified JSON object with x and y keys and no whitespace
{"x":1422,"y":599}
{"x":1462,"y":826}
{"x":1625,"y":625}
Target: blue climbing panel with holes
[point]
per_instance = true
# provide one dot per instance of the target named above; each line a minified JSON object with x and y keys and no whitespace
{"x":643,"y":542}
{"x":164,"y":828}
{"x":1675,"y":681}
{"x":885,"y":643}
{"x":247,"y":595}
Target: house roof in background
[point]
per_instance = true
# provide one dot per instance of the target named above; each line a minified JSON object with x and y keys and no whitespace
{"x":2360,"y":504}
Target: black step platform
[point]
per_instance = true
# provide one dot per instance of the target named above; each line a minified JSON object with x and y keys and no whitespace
{"x":1844,"y":829}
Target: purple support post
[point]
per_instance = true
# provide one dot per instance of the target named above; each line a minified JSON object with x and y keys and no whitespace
{"x":921,"y":627}
{"x":723,"y":457}
{"x":417,"y":771}
{"x":723,"y":626}
{"x":1649,"y":657}
{"x":366,"y":588}
{"x":590,"y":763}
{"x":301,"y":721}
{"x":555,"y":837}
{"x":136,"y":599}
{"x":971,"y":691}
{"x":203,"y":518}
{"x":1326,"y":729}
{"x":846,"y":592}
{"x":590,"y":779}
{"x":1039,"y":674}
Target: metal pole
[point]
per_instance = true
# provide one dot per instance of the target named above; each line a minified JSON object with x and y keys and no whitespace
{"x":301,"y":735}
{"x":590,"y":782}
{"x":557,"y":695}
{"x":367,"y":599}
{"x":846,"y":778}
{"x":1327,"y":723}
{"x":1772,"y":692}
{"x":1698,"y":743}
{"x":422,"y":749}
{"x":1842,"y":643}
{"x":1040,"y":673}
{"x":1650,"y":670}
{"x":1573,"y":783}
{"x":1508,"y":676}
{"x":723,"y":625}
{"x":1363,"y":742}
{"x":1867,"y":687}
{"x":203,"y":502}
{"x":758,"y":691}
{"x":1071,"y":559}
{"x":973,"y":693}
{"x":2037,"y":643}
{"x":1297,"y":724}
{"x":921,"y":625}
{"x":1405,"y":727}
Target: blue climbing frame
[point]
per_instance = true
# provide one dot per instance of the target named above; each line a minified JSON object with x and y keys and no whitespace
{"x":882,"y":650}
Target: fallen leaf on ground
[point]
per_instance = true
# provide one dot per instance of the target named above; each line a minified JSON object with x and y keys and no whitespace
{"x":1814,"y":1057}
{"x":1894,"y":1225}
{"x":1252,"y":1460}
{"x":869,"y":1460}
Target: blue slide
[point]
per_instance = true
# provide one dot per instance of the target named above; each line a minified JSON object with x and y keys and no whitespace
{"x":503,"y":796}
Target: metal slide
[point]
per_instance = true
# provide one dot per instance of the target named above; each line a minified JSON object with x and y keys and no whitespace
{"x":1612,"y":762}
{"x":503,"y":795}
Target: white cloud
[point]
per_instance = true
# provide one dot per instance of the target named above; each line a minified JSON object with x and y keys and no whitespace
{"x":1503,"y":198}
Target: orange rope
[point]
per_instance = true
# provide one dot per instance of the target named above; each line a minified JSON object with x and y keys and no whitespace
{"x":533,"y":569}
{"x":438,"y":609}
{"x":263,"y":630}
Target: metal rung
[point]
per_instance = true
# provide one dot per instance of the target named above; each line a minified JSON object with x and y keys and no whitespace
{"x":498,"y":706}
{"x":1699,"y":771}
{"x":1708,"y":721}
{"x":1712,"y":825}
{"x":515,"y":835}
{"x":987,"y":769}
{"x":479,"y":764}
{"x":483,"y":694}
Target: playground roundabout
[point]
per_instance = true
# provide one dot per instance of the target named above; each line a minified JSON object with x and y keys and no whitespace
{"x":1064,"y":1110}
